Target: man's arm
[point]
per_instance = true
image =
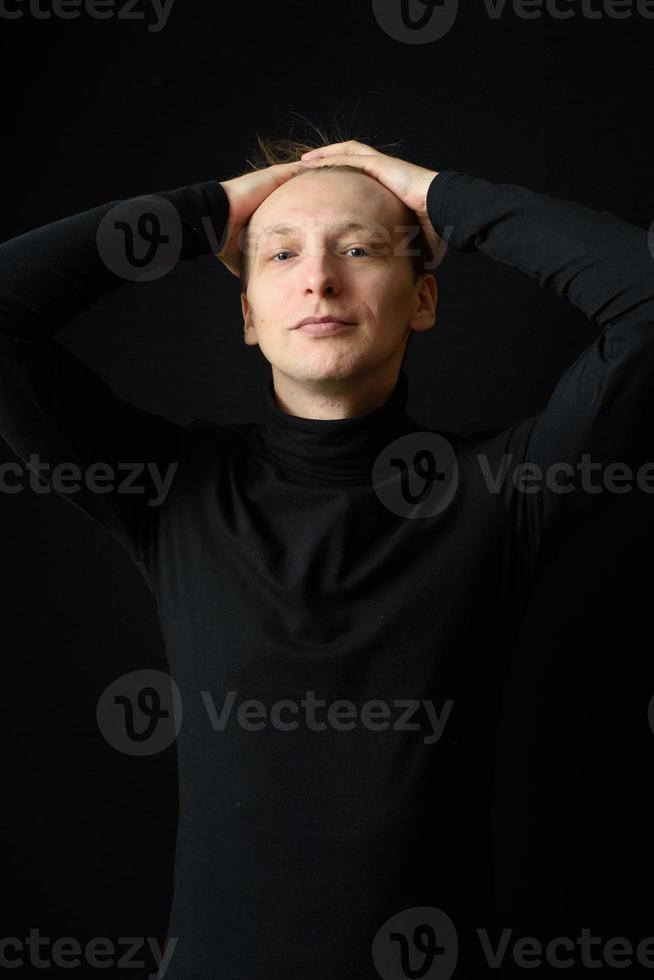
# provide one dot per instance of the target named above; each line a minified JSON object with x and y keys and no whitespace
{"x":602,"y":406}
{"x":54,"y":406}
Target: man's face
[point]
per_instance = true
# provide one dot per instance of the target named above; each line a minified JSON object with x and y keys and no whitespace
{"x":319,"y":268}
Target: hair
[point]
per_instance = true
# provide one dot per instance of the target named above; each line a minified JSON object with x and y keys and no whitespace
{"x":271,"y":151}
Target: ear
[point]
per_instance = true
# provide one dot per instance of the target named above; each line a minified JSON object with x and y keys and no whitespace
{"x":249,"y":330}
{"x":424,"y":313}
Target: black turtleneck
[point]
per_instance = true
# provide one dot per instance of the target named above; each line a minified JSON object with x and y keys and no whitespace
{"x":280,"y":574}
{"x":331,"y":451}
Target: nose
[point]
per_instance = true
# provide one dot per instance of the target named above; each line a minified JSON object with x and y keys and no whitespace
{"x":319,"y":273}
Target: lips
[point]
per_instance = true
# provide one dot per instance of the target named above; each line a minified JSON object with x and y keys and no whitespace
{"x":330,"y":318}
{"x":323,"y":328}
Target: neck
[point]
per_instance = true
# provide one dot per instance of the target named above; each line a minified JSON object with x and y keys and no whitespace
{"x":331,"y":450}
{"x":334,"y":398}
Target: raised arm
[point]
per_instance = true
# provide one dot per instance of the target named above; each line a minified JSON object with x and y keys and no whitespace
{"x":553,"y":468}
{"x":54,"y":407}
{"x":598,"y":262}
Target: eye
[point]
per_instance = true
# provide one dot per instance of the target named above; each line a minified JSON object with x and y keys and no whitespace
{"x":275,"y":257}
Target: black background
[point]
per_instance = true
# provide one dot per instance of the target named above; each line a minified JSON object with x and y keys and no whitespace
{"x":96,"y":110}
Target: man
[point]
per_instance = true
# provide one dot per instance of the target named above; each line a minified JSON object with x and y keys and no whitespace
{"x":336,"y":571}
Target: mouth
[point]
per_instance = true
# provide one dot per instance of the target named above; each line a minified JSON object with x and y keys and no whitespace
{"x":324,"y":328}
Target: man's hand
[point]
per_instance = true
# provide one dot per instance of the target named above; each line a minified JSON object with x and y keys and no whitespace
{"x":407,"y":181}
{"x":245,"y":194}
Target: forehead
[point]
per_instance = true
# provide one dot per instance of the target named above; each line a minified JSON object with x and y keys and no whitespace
{"x":329,"y":200}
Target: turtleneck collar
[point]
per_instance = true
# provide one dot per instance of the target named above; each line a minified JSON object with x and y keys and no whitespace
{"x":332,"y":451}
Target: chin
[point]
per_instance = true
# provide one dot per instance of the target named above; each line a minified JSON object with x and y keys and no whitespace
{"x":322,"y":363}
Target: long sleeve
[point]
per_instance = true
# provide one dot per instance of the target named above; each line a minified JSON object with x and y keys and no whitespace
{"x":52,"y":405}
{"x":552,"y":469}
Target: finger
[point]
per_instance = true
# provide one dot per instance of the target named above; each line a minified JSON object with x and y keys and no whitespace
{"x":366,"y":163}
{"x":285,"y":171}
{"x":349,"y":146}
{"x":363,"y":160}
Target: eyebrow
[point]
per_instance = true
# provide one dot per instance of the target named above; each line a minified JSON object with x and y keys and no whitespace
{"x":289,"y":229}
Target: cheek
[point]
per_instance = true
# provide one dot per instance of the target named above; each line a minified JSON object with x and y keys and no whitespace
{"x":264,"y":299}
{"x":387,"y":286}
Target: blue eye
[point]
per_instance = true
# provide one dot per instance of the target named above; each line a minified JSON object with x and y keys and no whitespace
{"x":286,"y":252}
